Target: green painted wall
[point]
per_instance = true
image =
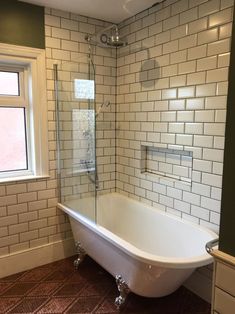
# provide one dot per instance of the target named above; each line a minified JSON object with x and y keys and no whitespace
{"x":227,"y":225}
{"x":22,"y":24}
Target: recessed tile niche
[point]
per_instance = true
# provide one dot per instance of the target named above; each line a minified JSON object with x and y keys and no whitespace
{"x":171,"y":163}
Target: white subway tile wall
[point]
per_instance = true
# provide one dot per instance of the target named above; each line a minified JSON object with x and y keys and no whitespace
{"x":28,"y":214}
{"x":180,"y":81}
{"x":170,"y":89}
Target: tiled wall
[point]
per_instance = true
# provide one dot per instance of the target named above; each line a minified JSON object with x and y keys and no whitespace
{"x":66,"y":44}
{"x":171,"y":93}
{"x":172,"y":89}
{"x":28,"y":214}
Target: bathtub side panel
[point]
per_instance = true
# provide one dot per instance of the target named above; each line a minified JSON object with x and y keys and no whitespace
{"x":143,"y":279}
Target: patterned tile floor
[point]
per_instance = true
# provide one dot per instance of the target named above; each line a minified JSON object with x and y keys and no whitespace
{"x":59,"y":288}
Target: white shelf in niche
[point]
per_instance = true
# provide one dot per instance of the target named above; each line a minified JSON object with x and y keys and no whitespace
{"x":166,"y":162}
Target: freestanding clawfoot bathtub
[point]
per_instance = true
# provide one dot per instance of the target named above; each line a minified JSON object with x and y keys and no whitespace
{"x":150,"y":252}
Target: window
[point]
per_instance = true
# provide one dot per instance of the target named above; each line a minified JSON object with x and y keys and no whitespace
{"x":23,"y":114}
{"x":84,"y":89}
{"x":13,"y":139}
{"x":9,"y":83}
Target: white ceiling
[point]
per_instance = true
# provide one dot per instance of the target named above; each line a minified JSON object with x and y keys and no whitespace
{"x":108,"y":10}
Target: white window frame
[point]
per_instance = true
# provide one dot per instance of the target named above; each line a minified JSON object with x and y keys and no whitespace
{"x":31,"y":64}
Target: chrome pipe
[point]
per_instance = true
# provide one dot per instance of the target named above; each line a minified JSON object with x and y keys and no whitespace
{"x":211,"y":244}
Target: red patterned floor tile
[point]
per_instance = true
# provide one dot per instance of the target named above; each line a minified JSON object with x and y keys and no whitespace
{"x":58,"y":288}
{"x":76,"y":277}
{"x":58,"y":275}
{"x":189,"y":303}
{"x":19,"y":289}
{"x":4,"y":286}
{"x":68,"y":262}
{"x":56,"y":305}
{"x":84,"y":305}
{"x":36,"y":274}
{"x":95,"y":290}
{"x":52,"y":265}
{"x":12,"y":278}
{"x":137,"y":304}
{"x":70,"y":289}
{"x":44,"y":289}
{"x":107,"y":307}
{"x":28,"y":305}
{"x":7,"y":303}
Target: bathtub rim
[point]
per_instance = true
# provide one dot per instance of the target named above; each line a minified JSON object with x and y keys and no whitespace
{"x":141,"y":255}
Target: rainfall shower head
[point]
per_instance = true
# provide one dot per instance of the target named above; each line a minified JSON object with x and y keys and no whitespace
{"x":114,"y":39}
{"x":108,"y":37}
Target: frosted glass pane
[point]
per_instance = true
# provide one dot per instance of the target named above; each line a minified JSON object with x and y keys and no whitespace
{"x":83,"y":139}
{"x":84,"y":89}
{"x":13,"y":153}
{"x":9,"y":83}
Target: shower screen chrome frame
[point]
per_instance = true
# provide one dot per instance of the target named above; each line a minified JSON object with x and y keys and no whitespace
{"x":58,"y":148}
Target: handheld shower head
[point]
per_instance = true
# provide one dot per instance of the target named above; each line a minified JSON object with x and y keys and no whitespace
{"x":106,"y":104}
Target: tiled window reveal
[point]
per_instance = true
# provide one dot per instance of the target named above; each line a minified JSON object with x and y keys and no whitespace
{"x":174,"y":164}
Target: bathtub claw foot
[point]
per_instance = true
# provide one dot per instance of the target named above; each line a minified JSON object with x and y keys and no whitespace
{"x":123,"y":289}
{"x":81,"y":254}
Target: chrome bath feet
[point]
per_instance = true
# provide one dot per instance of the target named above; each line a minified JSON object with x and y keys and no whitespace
{"x":81,"y":254}
{"x":123,"y":289}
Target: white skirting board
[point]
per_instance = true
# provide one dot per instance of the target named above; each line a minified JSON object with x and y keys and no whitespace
{"x":24,"y":260}
{"x":201,"y":285}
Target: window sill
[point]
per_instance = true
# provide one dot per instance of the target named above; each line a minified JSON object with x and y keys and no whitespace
{"x":23,"y":178}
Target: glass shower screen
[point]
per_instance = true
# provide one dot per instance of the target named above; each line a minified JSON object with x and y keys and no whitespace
{"x":75,"y":113}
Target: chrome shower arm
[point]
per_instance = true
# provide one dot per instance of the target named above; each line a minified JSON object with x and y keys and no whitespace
{"x":106,"y":29}
{"x":89,"y":37}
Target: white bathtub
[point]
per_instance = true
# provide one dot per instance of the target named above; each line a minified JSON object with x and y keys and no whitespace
{"x":153,"y":251}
